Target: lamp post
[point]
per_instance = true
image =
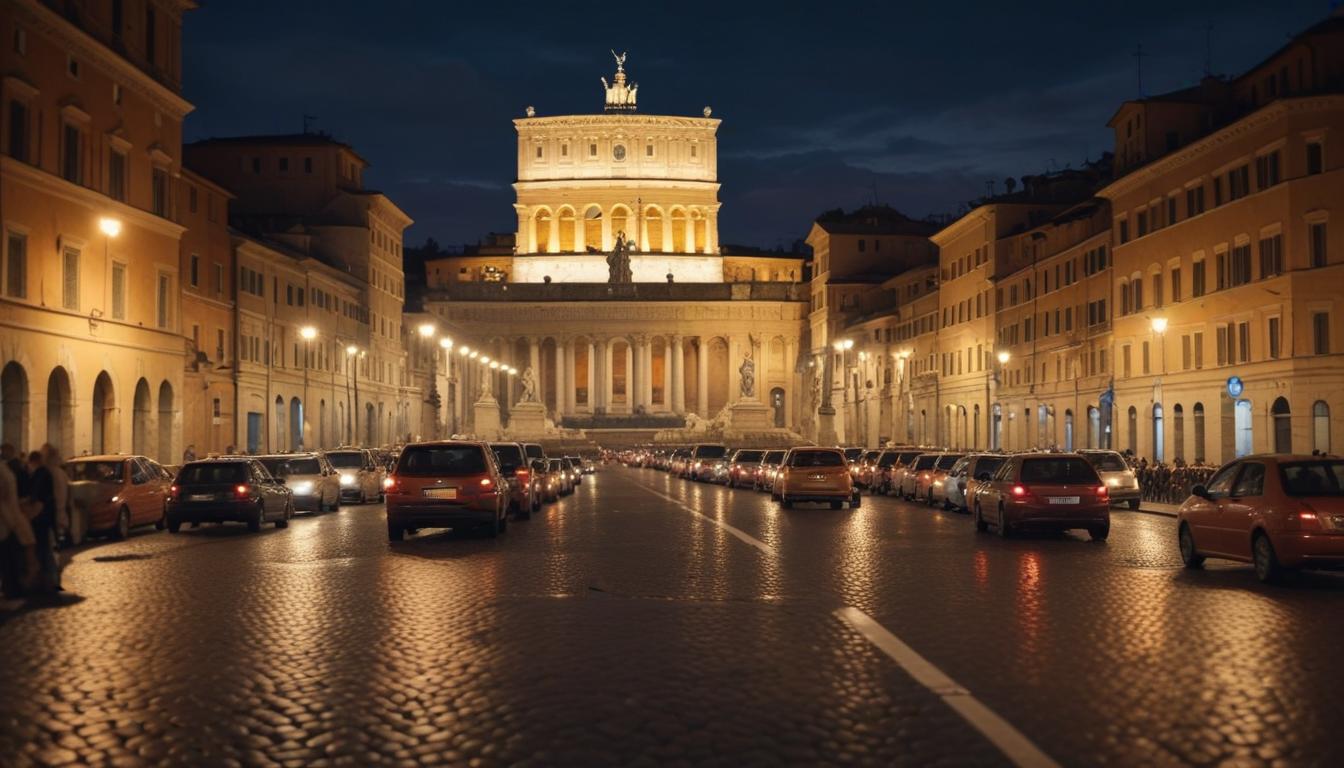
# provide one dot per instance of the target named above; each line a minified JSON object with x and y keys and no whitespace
{"x":353,"y":355}
{"x":307,"y":333}
{"x":996,"y":419}
{"x":110,"y":228}
{"x":1160,"y":328}
{"x":843,"y":346}
{"x":427,"y":331}
{"x":445,"y":343}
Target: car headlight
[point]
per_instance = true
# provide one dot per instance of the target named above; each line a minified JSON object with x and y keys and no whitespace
{"x":1113,"y":482}
{"x":347,"y":479}
{"x":303,"y":488}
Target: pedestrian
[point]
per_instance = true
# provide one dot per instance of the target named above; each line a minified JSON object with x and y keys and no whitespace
{"x":18,"y":555}
{"x":189,"y":454}
{"x":60,"y":488}
{"x":41,"y":510}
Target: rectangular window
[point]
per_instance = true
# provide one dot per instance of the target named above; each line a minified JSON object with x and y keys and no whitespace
{"x":195,"y":270}
{"x":219,"y":344}
{"x":1125,"y":362}
{"x":1238,"y":182}
{"x":151,"y":45}
{"x":1320,"y":333}
{"x":160,"y":192}
{"x":1157,"y":290}
{"x":71,"y":151}
{"x":116,"y":175}
{"x":1274,"y":342}
{"x":1146,"y":360}
{"x":17,"y":146}
{"x":1194,"y":201}
{"x":1199,"y":349}
{"x":284,"y":165}
{"x":1267,"y":170}
{"x":1124,"y":231}
{"x":1241,"y":265}
{"x":16,"y":265}
{"x":1220,"y":266}
{"x":1271,"y":256}
{"x":1185,"y":353}
{"x":592,"y":150}
{"x":1217,"y":191}
{"x":218,"y":285}
{"x":307,"y":165}
{"x":1315,"y":157}
{"x":70,"y":278}
{"x":1176,"y":284}
{"x":1197,"y":279}
{"x":1223,"y":340}
{"x":1143,"y":223}
{"x":1243,"y":342}
{"x":164,"y":299}
{"x":118,"y":291}
{"x":1318,"y":255}
{"x":1171,"y":211}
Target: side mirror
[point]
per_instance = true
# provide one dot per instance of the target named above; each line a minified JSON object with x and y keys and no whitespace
{"x":983,"y":477}
{"x":1201,"y":491}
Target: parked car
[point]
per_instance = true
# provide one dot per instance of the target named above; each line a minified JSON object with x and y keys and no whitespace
{"x":534,"y":451}
{"x":865,"y":471}
{"x":513,"y":464}
{"x":767,"y":469}
{"x":547,"y":482}
{"x":228,"y":490}
{"x":931,"y":488}
{"x":1279,"y":512}
{"x":892,"y":478}
{"x":566,"y":480}
{"x":588,"y":466}
{"x":679,"y":462}
{"x":961,"y":484}
{"x":1120,"y":479}
{"x":575,"y":465}
{"x":359,"y":476}
{"x":114,"y":494}
{"x":918,"y":471}
{"x":704,"y":459}
{"x":1044,"y":490}
{"x":815,"y":475}
{"x":310,"y":478}
{"x":743,"y":466}
{"x":446,"y":484}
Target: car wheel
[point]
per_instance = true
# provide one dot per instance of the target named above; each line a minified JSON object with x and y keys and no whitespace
{"x":785,"y":502}
{"x":1099,"y":532}
{"x":980,"y":525}
{"x":1004,"y":530}
{"x":1134,"y":504}
{"x":283,"y":522}
{"x":395,"y":532}
{"x":1267,"y":567}
{"x":174,"y":526}
{"x":122,"y":530}
{"x":1189,"y":552}
{"x":162,"y":522}
{"x":258,"y":518}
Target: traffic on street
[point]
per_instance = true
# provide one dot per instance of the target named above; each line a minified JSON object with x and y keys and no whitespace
{"x":694,"y":606}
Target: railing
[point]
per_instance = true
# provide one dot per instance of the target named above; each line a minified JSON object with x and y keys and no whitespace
{"x":618,"y":292}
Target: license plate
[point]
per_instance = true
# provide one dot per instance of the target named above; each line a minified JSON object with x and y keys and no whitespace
{"x":441,"y":493}
{"x":1063,"y":499}
{"x":201,"y":497}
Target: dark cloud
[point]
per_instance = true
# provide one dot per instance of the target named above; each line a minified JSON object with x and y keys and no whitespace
{"x":823,"y":105}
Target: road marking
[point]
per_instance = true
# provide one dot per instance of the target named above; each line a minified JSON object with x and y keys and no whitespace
{"x":743,"y":535}
{"x":1010,"y":741}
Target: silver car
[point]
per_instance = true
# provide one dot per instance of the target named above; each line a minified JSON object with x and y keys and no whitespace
{"x":361,"y":479}
{"x":964,"y":478}
{"x":310,"y":477}
{"x":1121,"y":482}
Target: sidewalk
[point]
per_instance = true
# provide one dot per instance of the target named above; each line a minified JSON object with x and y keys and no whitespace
{"x":1158,"y":508}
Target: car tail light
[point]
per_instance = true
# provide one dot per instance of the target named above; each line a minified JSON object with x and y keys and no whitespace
{"x":1019,"y":491}
{"x":173,"y":492}
{"x":1102,"y":493}
{"x":390,"y":484}
{"x":242,"y":491}
{"x":522,"y":475}
{"x":486,"y":482}
{"x":1305,"y":518}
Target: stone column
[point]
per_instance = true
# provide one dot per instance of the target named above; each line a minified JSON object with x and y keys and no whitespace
{"x":553,"y":243}
{"x":712,"y":232}
{"x":607,"y":235}
{"x":667,"y":374}
{"x":735,"y":344}
{"x":689,"y":233}
{"x":702,"y":377}
{"x":794,"y":386}
{"x":646,"y":378}
{"x":677,"y":363}
{"x":579,"y":233}
{"x":606,"y":374}
{"x":761,"y":354}
{"x":629,"y":377}
{"x":561,"y":400}
{"x":591,"y":366}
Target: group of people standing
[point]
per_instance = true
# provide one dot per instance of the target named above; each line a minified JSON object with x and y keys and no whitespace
{"x":34,"y":514}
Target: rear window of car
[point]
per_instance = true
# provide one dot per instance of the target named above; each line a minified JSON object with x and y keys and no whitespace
{"x":926,"y":461}
{"x":888,"y":459}
{"x":908,"y":456}
{"x":98,"y":471}
{"x":946,"y":462}
{"x":988,"y":464}
{"x":871,"y":455}
{"x":817,"y":459}
{"x":749,"y":457}
{"x":1107,"y":462}
{"x":303,"y":467}
{"x":773,"y":457}
{"x":213,"y":473}
{"x":450,"y":460}
{"x":711,"y":452}
{"x":1313,"y":478}
{"x":346,"y":459}
{"x":509,"y":455}
{"x":556,"y":465}
{"x":534,"y":451}
{"x":852,"y":454}
{"x":1058,"y":470}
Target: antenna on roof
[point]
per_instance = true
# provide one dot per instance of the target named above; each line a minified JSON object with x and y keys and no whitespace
{"x":306,"y":120}
{"x":1138,"y":66}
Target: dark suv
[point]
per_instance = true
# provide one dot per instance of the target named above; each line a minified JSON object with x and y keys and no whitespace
{"x":228,"y":490}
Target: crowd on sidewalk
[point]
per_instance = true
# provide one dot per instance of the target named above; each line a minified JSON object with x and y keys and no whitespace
{"x":34,"y":514}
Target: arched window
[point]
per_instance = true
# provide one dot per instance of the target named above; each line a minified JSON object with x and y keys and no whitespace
{"x":1320,"y":426}
{"x":1178,"y":432}
{"x":1132,"y":437}
{"x":1199,"y":432}
{"x":1283,"y":426}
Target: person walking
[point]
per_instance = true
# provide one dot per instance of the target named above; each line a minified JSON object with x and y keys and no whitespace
{"x":41,"y":510}
{"x":18,"y":555}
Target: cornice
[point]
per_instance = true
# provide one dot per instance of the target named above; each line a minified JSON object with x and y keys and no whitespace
{"x":959,"y":227}
{"x":76,"y":41}
{"x":1218,"y":139}
{"x":613,"y":120}
{"x":607,"y":182}
{"x":92,"y":199}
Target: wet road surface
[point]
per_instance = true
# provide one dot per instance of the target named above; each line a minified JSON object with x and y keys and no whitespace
{"x":648,"y":620}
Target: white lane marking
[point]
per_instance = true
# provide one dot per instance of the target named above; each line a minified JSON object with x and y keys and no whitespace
{"x":743,"y":535}
{"x":1010,"y":741}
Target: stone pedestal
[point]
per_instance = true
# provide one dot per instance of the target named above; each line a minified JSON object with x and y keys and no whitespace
{"x":826,"y":426}
{"x":749,"y":416}
{"x":527,"y":421}
{"x":487,"y":418}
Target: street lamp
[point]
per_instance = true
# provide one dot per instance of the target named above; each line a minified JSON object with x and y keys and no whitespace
{"x":995,"y":419}
{"x":446,"y":343}
{"x":426,"y":330}
{"x":110,"y":226}
{"x":307,"y":333}
{"x":1004,"y":356}
{"x":1160,"y":328}
{"x":353,"y":355}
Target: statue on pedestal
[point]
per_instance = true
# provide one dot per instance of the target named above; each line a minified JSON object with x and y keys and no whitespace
{"x":748,"y":373}
{"x":618,"y":262}
{"x":529,"y":384}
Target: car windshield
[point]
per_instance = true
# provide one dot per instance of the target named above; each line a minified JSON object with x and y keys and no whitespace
{"x":773,"y":457}
{"x":908,"y":456}
{"x":988,"y":464}
{"x":1058,"y":470}
{"x":1313,"y":478}
{"x":534,"y":451}
{"x":1107,"y":462}
{"x":926,"y":461}
{"x":556,"y":465}
{"x":346,"y":459}
{"x":509,"y":455}
{"x":98,"y":471}
{"x":817,"y":459}
{"x":442,"y":460}
{"x":888,"y":459}
{"x":946,"y":462}
{"x":749,"y":457}
{"x":213,"y":473}
{"x":274,"y":465}
{"x":853,"y":453}
{"x":711,"y":452}
{"x":871,"y":455}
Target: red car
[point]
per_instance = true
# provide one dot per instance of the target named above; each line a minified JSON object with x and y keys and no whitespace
{"x":446,"y":484}
{"x":1051,"y":490}
{"x":1278,"y":512}
{"x":119,"y":492}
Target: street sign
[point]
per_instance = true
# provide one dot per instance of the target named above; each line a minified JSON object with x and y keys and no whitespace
{"x":1234,"y":386}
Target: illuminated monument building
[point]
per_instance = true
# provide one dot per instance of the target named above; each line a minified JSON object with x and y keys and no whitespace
{"x":617,"y":293}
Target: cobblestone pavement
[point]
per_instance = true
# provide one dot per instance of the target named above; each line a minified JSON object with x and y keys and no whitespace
{"x":626,"y":625}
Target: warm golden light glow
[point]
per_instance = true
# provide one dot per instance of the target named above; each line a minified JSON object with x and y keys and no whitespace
{"x":351,"y":350}
{"x":110,"y":227}
{"x":464,"y":350}
{"x":1159,"y":325}
{"x":494,"y":364}
{"x":1004,"y":357}
{"x":446,"y":343}
{"x":308,"y":333}
{"x":427,"y":330}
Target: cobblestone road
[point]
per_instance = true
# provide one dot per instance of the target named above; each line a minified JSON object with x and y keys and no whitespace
{"x":630,"y":625}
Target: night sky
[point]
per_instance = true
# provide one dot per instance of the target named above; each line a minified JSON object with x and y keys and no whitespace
{"x":823,"y":104}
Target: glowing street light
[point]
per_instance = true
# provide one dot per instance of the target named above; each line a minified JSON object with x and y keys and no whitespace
{"x":1159,"y":325}
{"x":352,"y":350}
{"x":494,"y":365}
{"x":446,"y":343}
{"x":109,"y":226}
{"x":308,"y":333}
{"x":1004,"y":357}
{"x":485,"y":359}
{"x":464,"y":350}
{"x":427,"y":330}
{"x":474,"y":354}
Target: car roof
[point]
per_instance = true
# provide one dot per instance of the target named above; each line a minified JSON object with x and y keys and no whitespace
{"x":106,"y":457}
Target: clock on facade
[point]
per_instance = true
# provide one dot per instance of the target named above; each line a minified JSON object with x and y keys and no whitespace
{"x":618,"y":151}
